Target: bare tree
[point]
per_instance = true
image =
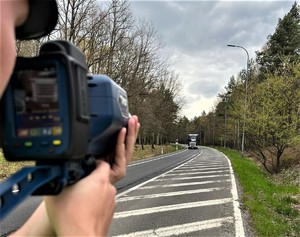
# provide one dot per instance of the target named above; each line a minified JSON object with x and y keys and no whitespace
{"x":129,"y":51}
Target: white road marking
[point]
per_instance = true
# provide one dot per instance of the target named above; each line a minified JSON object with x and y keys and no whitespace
{"x":169,"y":194}
{"x":193,"y":177}
{"x":239,"y":227}
{"x":146,"y":211}
{"x":181,"y":229}
{"x":200,"y":172}
{"x":185,"y":184}
{"x":203,"y":167}
{"x":150,"y":180}
{"x":205,"y":162}
{"x":191,"y":165}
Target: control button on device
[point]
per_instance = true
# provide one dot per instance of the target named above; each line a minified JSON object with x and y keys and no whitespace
{"x":28,"y":144}
{"x":56,"y":142}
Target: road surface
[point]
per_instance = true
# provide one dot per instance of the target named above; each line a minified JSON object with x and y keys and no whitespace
{"x":196,"y":198}
{"x":187,"y":193}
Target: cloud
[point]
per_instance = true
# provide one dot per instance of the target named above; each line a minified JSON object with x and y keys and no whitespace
{"x":195,"y":34}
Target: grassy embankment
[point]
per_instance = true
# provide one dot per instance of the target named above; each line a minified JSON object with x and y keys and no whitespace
{"x":273,"y":201}
{"x":8,"y":168}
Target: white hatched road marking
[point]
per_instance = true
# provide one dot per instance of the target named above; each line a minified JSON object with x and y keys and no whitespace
{"x":146,"y":211}
{"x":203,"y":168}
{"x":200,"y":172}
{"x":200,"y":164}
{"x":150,"y":180}
{"x":181,"y":229}
{"x":185,"y":184}
{"x":170,"y":194}
{"x":192,"y":177}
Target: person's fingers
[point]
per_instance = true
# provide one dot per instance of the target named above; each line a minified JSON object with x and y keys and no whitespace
{"x":121,"y":137}
{"x":136,"y":123}
{"x":118,"y":169}
{"x":102,"y":175}
{"x":124,"y":149}
{"x":133,"y":128}
{"x":120,"y":159}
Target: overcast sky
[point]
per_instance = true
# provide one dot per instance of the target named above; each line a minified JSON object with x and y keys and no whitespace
{"x":195,"y":35}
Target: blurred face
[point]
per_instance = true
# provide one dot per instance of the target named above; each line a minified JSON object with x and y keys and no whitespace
{"x":12,"y":13}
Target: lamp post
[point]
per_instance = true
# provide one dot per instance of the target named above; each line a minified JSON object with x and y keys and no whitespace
{"x":246,"y":91}
{"x":226,"y":101}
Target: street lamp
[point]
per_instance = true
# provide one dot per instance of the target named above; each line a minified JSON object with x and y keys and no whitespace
{"x":246,"y":91}
{"x":226,"y":101}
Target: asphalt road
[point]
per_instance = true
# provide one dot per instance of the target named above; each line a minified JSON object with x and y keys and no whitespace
{"x":19,"y":215}
{"x":196,"y":197}
{"x":145,"y":169}
{"x":188,"y":193}
{"x":137,"y":172}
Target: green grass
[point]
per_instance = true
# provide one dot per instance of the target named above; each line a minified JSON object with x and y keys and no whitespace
{"x":273,"y":205}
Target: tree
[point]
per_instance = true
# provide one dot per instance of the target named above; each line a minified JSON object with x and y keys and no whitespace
{"x":284,"y":42}
{"x":273,"y":116}
{"x":271,"y":112}
{"x":126,"y":50}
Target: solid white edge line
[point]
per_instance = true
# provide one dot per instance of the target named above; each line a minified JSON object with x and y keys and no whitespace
{"x":239,"y":227}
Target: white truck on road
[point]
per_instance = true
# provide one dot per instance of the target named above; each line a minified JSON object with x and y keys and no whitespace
{"x":192,"y":141}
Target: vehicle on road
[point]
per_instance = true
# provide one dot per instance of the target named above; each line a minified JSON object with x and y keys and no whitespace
{"x":192,"y":141}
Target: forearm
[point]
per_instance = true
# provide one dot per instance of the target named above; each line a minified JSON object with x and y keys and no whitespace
{"x":37,"y":225}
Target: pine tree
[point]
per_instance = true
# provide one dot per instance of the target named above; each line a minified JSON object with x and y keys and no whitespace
{"x":284,"y":43}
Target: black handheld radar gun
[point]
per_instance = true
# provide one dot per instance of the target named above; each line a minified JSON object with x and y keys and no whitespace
{"x":53,"y":113}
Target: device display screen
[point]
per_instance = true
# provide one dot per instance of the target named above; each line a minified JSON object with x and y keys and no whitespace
{"x":36,"y":103}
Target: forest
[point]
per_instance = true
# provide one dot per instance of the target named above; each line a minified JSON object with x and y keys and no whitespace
{"x":259,"y":110}
{"x":262,"y":103}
